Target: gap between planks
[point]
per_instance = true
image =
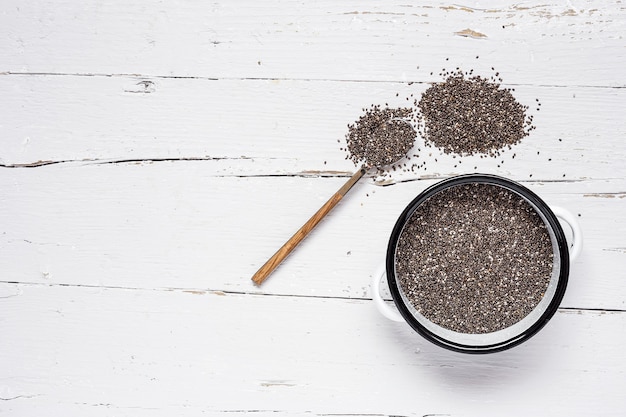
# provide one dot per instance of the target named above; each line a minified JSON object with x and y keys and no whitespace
{"x":341,"y":80}
{"x":303,"y":174}
{"x":200,"y":291}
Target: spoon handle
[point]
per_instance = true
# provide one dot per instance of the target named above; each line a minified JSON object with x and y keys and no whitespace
{"x":263,"y":272}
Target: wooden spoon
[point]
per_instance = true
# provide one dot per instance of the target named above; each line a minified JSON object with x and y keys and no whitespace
{"x":263,"y":272}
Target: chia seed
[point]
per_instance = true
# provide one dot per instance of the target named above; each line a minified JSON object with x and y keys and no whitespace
{"x":381,"y":136}
{"x":471,"y":115}
{"x":474,"y":258}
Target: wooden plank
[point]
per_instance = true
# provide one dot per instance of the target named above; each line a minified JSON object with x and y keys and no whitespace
{"x":176,"y":225}
{"x":103,"y":351}
{"x":283,"y":127}
{"x":556,"y":43}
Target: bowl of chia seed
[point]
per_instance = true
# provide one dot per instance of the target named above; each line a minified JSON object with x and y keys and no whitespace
{"x":477,"y":263}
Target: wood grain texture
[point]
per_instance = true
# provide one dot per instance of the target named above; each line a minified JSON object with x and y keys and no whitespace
{"x":556,"y":43}
{"x":197,"y":353}
{"x":283,"y":127}
{"x":153,"y":154}
{"x":176,"y":225}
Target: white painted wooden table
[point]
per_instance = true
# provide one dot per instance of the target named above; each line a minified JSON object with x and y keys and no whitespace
{"x":154,"y":154}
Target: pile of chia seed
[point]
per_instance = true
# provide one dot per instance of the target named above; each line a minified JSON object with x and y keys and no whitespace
{"x":381,"y":136}
{"x":464,"y":115}
{"x":472,"y":115}
{"x":474,"y":258}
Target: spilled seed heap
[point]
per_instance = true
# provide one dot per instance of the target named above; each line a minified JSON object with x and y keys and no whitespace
{"x":464,"y":115}
{"x":472,"y":115}
{"x":381,"y":136}
{"x":474,"y":258}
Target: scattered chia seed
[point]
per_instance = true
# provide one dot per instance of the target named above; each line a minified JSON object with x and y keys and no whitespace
{"x":474,"y":258}
{"x":381,"y":137}
{"x":471,"y":115}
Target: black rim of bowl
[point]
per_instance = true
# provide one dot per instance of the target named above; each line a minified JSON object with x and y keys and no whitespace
{"x":482,"y":179}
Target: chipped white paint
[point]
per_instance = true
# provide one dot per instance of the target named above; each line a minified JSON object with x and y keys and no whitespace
{"x":153,"y":155}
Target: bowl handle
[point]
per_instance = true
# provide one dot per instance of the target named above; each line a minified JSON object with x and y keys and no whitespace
{"x":381,"y":305}
{"x":577,"y":234}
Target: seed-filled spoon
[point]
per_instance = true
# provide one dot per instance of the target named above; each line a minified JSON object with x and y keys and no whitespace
{"x":374,"y":144}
